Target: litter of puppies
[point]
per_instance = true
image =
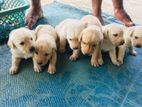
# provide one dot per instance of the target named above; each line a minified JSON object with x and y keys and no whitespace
{"x":86,"y":36}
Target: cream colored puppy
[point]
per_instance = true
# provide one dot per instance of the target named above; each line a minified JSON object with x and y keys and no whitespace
{"x":113,"y":37}
{"x":45,"y":48}
{"x":70,"y":29}
{"x":21,"y":43}
{"x":91,"y":39}
{"x":133,"y":38}
{"x":91,"y":20}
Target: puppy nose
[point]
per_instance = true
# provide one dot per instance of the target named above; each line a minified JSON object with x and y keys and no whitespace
{"x":39,"y":63}
{"x":32,"y":49}
{"x":122,"y":42}
{"x":138,"y":46}
{"x":75,"y":48}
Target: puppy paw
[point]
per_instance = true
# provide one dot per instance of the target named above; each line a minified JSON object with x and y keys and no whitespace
{"x":13,"y":70}
{"x":134,"y":53}
{"x":62,"y":49}
{"x":116,"y":63}
{"x":100,"y":61}
{"x":73,"y":57}
{"x":37,"y":68}
{"x":94,"y":63}
{"x":120,"y":61}
{"x":51,"y":69}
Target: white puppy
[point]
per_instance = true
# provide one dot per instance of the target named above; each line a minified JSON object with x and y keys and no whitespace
{"x":21,"y":43}
{"x":91,"y":39}
{"x":45,"y":48}
{"x":91,"y":20}
{"x":113,"y":37}
{"x":69,"y":30}
{"x":133,"y":38}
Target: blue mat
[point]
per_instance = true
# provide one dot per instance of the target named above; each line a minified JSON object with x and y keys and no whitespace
{"x":75,"y":83}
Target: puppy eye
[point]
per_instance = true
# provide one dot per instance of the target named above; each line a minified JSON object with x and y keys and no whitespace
{"x":115,"y":35}
{"x":46,"y":54}
{"x":70,"y":39}
{"x":84,"y":43}
{"x":22,"y":43}
{"x":31,"y":38}
{"x":136,"y":37}
{"x":94,"y":45}
{"x":36,"y":52}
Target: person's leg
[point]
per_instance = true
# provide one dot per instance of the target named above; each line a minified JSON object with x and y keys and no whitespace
{"x":34,"y":13}
{"x":121,"y":14}
{"x":96,"y":7}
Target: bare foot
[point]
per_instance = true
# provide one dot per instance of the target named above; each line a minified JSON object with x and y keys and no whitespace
{"x":33,"y":16}
{"x":124,"y":17}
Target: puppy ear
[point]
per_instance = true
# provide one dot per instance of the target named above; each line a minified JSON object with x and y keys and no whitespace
{"x":11,"y":44}
{"x":80,"y":36}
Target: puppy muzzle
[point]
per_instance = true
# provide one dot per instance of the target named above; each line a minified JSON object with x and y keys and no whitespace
{"x":87,"y":53}
{"x":40,"y":63}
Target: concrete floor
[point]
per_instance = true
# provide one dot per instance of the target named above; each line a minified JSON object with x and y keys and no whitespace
{"x":132,"y":7}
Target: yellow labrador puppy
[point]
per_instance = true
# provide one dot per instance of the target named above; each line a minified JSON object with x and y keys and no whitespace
{"x":113,"y":37}
{"x":45,"y":48}
{"x":133,"y":38}
{"x":91,"y":39}
{"x":91,"y":20}
{"x":21,"y":42}
{"x":70,"y":29}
